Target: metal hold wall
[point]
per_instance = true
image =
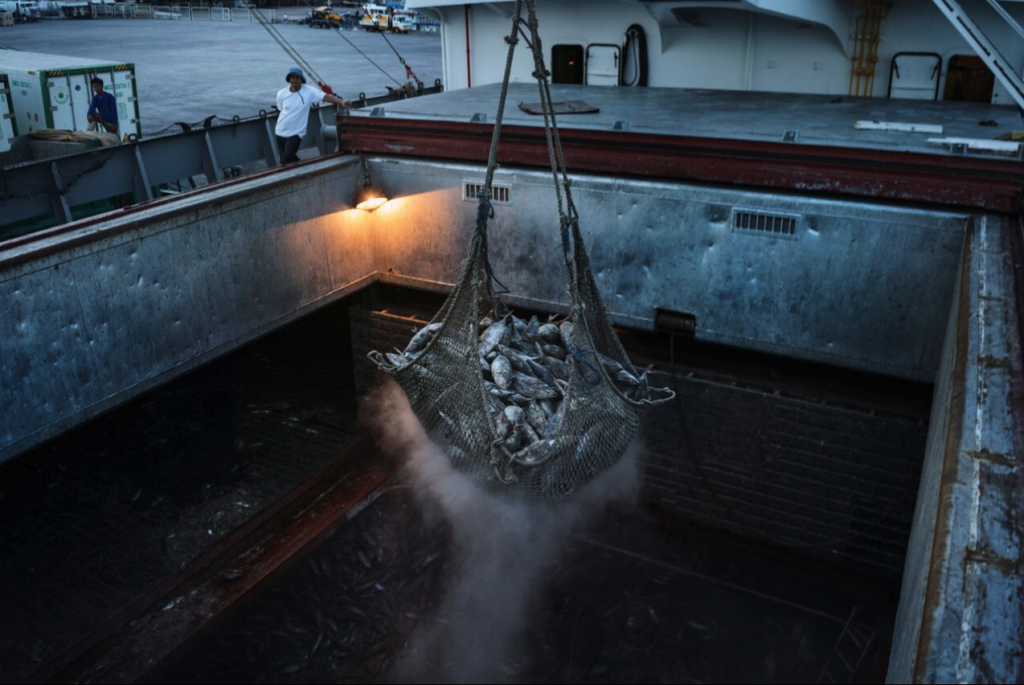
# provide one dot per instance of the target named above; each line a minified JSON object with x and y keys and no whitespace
{"x":95,"y":316}
{"x":960,"y":616}
{"x":97,"y":313}
{"x":858,"y":285}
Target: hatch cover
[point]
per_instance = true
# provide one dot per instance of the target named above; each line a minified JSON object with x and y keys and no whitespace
{"x":567,"y":107}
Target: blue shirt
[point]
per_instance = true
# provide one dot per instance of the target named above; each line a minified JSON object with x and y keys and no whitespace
{"x":107,"y":105}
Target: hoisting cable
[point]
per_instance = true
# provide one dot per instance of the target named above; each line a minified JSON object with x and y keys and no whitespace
{"x":364,"y":55}
{"x":292,"y":52}
{"x":409,"y":73}
{"x":485,"y":210}
{"x":541,"y":422}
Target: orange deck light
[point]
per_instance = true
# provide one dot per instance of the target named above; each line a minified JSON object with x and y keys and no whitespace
{"x":371,"y":196}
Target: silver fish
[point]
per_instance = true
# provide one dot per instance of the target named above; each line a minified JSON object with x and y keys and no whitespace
{"x":548,"y":407}
{"x":533,"y":327}
{"x":558,"y":368}
{"x":520,"y":362}
{"x":502,"y":426}
{"x":503,"y":395}
{"x":532,"y":387}
{"x":501,"y":370}
{"x":554,"y":424}
{"x":539,"y":452}
{"x":555,"y":351}
{"x":542,"y":373}
{"x":493,"y":335}
{"x":536,"y":417}
{"x":565,"y":329}
{"x":515,"y":439}
{"x":549,"y":333}
{"x":422,"y":337}
{"x":521,"y":330}
{"x":515,"y":415}
{"x":610,"y":365}
{"x":623,"y":377}
{"x":525,"y":347}
{"x":486,"y":323}
{"x":529,"y":435}
{"x":397,"y":359}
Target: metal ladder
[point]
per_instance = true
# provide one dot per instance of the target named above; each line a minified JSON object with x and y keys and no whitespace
{"x":848,"y":654}
{"x":983,"y":45}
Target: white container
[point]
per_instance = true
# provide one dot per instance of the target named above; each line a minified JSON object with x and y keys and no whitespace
{"x":7,"y":131}
{"x":54,"y":91}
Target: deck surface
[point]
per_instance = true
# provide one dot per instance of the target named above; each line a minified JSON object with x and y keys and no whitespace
{"x":826,"y":120}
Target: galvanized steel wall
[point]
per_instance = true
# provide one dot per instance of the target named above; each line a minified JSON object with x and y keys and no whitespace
{"x":145,"y":296}
{"x":158,"y":292}
{"x":864,"y":286}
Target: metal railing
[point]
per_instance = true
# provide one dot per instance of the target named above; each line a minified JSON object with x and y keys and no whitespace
{"x":198,"y":12}
{"x":44,"y":193}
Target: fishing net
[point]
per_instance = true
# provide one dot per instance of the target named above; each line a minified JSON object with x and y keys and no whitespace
{"x":521,"y":408}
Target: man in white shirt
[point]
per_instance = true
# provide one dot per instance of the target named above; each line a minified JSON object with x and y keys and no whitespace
{"x":294,"y":103}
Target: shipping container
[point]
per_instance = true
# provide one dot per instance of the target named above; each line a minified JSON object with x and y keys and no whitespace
{"x":7,"y":130}
{"x":54,"y":91}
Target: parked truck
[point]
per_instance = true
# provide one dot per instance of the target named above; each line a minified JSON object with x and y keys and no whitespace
{"x":54,"y":91}
{"x":21,"y":10}
{"x":375,"y":18}
{"x":7,"y":130}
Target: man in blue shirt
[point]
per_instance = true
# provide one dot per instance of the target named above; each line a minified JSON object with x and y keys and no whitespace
{"x":103,"y":108}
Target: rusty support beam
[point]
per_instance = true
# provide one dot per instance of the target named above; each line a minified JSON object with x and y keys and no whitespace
{"x":958,"y":181}
{"x":149,"y":633}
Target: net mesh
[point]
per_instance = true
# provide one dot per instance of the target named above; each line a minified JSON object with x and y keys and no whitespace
{"x":446,"y":386}
{"x":491,"y":430}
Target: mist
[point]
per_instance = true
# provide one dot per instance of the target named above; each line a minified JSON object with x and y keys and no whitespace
{"x":502,"y":548}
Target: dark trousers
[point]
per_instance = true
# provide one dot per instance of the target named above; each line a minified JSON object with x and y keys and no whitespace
{"x":288,"y":147}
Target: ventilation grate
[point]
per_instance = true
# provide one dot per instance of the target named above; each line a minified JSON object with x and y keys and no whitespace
{"x":764,"y":223}
{"x":500,"y":195}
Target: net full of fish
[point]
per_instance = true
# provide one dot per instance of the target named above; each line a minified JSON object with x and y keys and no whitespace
{"x":525,"y":368}
{"x":521,"y":407}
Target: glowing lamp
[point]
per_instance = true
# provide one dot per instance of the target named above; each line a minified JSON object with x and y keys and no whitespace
{"x":370,"y":199}
{"x":371,"y":196}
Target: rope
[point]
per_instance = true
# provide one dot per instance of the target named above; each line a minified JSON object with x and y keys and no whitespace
{"x":365,"y":56}
{"x":286,"y":46}
{"x":492,"y":157}
{"x":379,"y":67}
{"x":567,"y":213}
{"x":409,"y":73}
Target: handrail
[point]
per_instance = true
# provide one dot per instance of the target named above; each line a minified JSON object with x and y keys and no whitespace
{"x":44,"y":193}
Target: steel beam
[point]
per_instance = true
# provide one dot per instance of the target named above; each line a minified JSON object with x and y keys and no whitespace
{"x":970,"y":182}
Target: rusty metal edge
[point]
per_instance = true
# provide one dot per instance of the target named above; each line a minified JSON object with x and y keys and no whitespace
{"x":951,"y":455}
{"x":1015,"y":248}
{"x":88,"y":650}
{"x":821,"y":170}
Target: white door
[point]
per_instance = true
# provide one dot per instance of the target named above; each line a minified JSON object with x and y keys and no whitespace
{"x":915,"y":76}
{"x":124,"y":91}
{"x":81,"y":96}
{"x":6,"y":120}
{"x":61,"y":114}
{"x":602,"y":68}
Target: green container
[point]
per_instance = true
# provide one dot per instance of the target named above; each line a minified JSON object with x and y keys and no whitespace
{"x":54,"y":91}
{"x":7,"y":129}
